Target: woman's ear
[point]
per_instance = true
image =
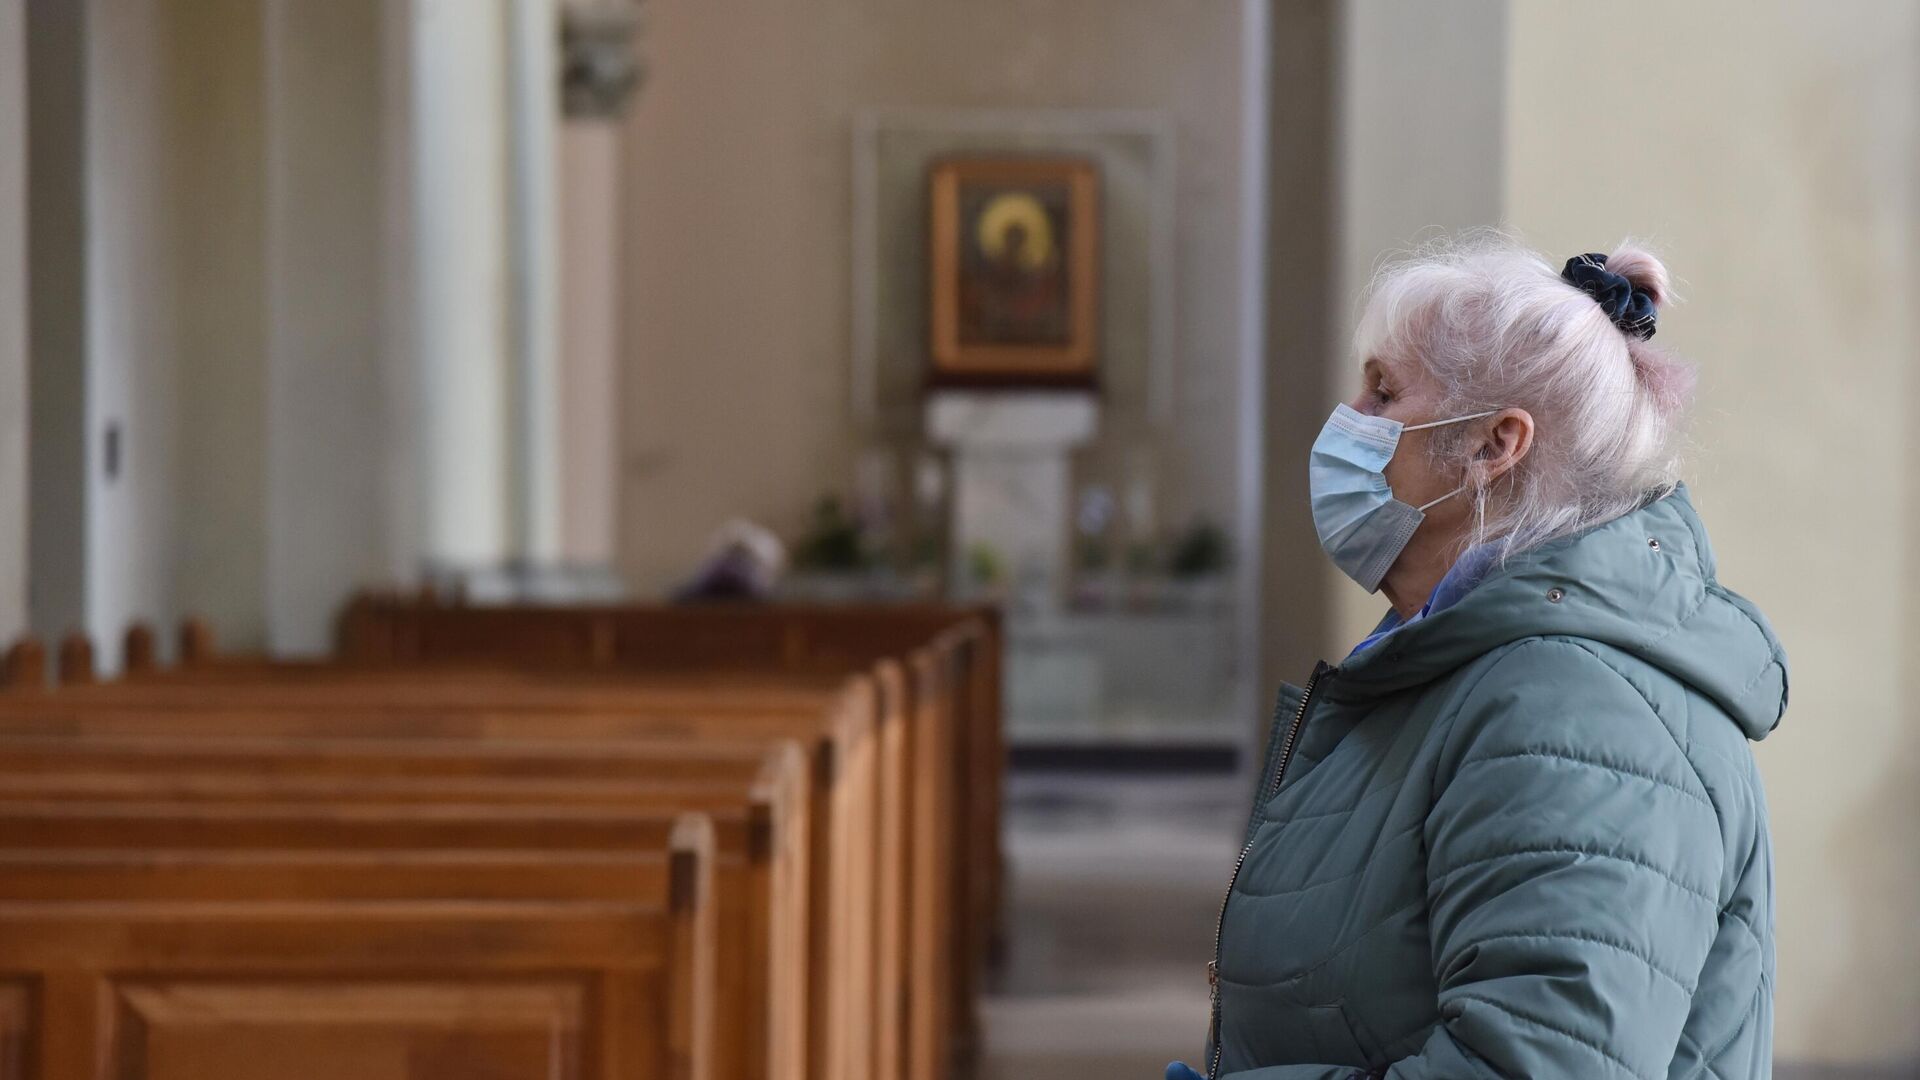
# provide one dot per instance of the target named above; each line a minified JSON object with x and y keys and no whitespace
{"x":1509,"y":438}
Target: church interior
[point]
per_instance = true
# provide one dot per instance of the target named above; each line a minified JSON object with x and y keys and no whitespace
{"x":756,"y":540}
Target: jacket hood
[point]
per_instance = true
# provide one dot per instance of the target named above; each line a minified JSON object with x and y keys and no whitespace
{"x":1643,"y":583}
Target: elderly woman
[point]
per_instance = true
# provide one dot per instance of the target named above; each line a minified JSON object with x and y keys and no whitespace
{"x":1519,"y":831}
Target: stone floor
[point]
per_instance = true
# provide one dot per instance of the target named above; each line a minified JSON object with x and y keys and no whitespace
{"x":1114,"y":885}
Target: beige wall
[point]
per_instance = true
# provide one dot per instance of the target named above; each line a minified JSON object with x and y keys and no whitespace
{"x":739,"y":211}
{"x":145,"y":311}
{"x":217,"y":137}
{"x":172,"y":312}
{"x":330,"y":406}
{"x":58,"y":429}
{"x":209,"y":220}
{"x":13,"y":318}
{"x":590,"y":154}
{"x":1770,"y":150}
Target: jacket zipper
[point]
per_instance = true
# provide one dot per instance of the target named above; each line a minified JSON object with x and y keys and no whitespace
{"x":1272,"y":789}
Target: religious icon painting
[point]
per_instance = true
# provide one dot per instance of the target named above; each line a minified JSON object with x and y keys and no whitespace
{"x":1015,"y":248}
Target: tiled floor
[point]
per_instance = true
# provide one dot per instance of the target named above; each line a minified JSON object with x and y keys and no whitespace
{"x":1114,"y":886}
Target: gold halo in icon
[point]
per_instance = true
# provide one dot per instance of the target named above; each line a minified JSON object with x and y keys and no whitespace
{"x":1003,"y":214}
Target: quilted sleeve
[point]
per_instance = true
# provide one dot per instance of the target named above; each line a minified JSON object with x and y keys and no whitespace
{"x":1573,"y":857}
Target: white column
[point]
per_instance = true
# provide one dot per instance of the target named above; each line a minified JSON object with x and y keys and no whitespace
{"x":485,"y":226}
{"x":533,"y":49}
{"x":461,"y":290}
{"x":13,"y":319}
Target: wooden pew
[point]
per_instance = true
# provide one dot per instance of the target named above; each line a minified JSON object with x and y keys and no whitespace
{"x":763,"y":876}
{"x":32,"y":874}
{"x":836,"y":716}
{"x":578,"y":645}
{"x":928,"y":756}
{"x":389,"y":701}
{"x":406,"y":632}
{"x":349,"y":972}
{"x":838,"y":962}
{"x":69,"y":826}
{"x":793,"y":638}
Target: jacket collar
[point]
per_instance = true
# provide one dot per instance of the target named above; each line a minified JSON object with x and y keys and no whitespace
{"x":1644,"y":583}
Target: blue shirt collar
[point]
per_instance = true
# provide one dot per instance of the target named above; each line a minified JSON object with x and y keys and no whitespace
{"x":1467,"y":572}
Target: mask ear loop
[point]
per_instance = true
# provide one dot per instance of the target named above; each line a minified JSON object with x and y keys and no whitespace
{"x":1443,"y":423}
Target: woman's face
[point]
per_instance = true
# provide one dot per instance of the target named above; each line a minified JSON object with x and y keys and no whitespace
{"x":1403,"y":391}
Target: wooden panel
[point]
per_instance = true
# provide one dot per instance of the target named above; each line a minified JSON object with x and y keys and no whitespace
{"x":893,"y":876}
{"x":745,"y":1003}
{"x":975,"y":779}
{"x":619,"y":985}
{"x":577,"y":637}
{"x":368,"y":1031}
{"x":760,"y":907}
{"x":725,"y":684}
{"x":212,"y":874}
{"x":765,"y":816}
{"x":267,"y":756}
{"x":852,"y":913}
{"x":109,"y":783}
{"x":86,"y":953}
{"x":16,"y":1030}
{"x":693,"y":962}
{"x":791,"y":636}
{"x":470,"y":692}
{"x":372,"y":826}
{"x":931,"y":1011}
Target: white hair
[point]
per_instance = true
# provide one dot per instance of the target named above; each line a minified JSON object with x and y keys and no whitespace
{"x":1498,"y":327}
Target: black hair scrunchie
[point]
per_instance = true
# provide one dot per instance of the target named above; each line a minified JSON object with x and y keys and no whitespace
{"x":1630,"y":309}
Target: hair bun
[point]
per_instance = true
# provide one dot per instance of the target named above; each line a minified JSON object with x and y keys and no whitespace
{"x":1633,"y":309}
{"x":1645,"y":270}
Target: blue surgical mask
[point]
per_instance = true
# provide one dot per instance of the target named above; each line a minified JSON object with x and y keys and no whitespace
{"x":1362,"y":526}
